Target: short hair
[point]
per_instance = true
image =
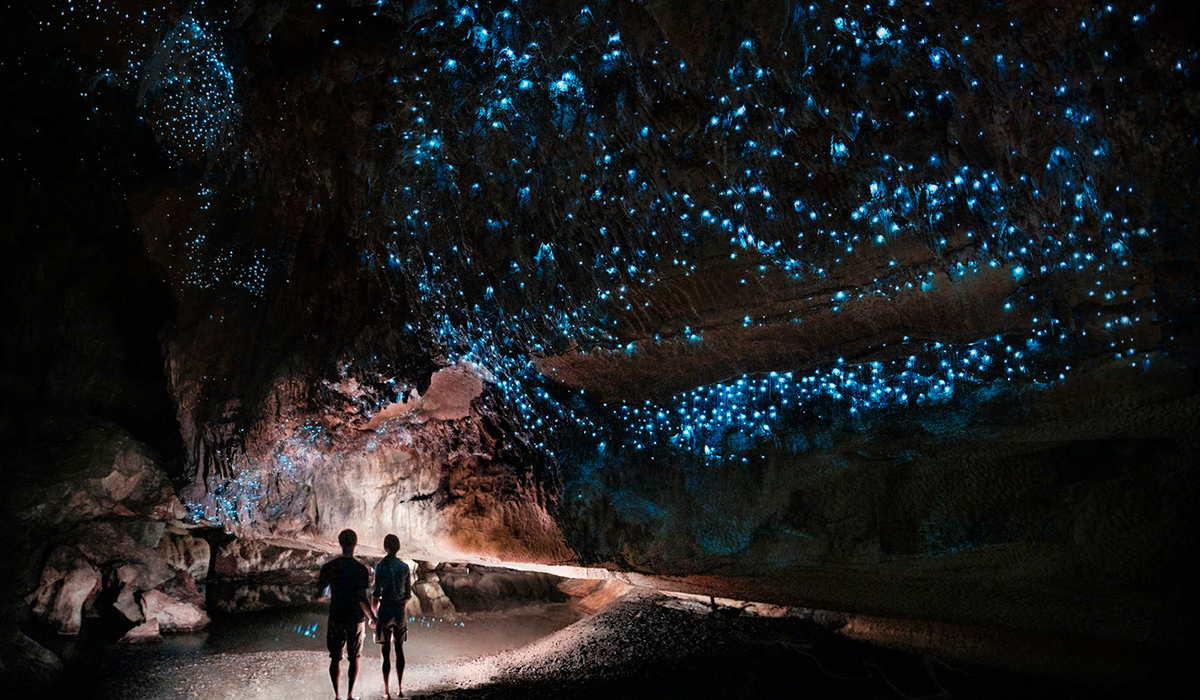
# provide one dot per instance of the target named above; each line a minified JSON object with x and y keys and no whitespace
{"x":392,"y":544}
{"x":347,"y":538}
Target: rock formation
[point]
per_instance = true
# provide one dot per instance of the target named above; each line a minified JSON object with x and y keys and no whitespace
{"x":882,"y":308}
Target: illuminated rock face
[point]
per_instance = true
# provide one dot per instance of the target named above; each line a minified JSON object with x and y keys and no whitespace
{"x":882,"y":307}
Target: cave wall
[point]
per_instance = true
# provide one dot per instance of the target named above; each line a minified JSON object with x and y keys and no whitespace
{"x":886,"y":308}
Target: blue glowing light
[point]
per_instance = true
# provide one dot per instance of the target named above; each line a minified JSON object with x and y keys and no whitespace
{"x":590,"y":191}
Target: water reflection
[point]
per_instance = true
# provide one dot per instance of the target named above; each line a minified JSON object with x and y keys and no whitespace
{"x":431,"y":638}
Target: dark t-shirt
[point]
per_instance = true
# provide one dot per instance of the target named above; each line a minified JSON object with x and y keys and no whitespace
{"x":393,"y":586}
{"x":348,"y":581}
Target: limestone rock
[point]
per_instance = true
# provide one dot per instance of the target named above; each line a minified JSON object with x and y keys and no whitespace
{"x":580,"y":587}
{"x":603,"y":596}
{"x":186,"y":553}
{"x":449,"y":396}
{"x":172,"y":615}
{"x":148,"y":631}
{"x":433,"y":599}
{"x":183,"y":587}
{"x":99,"y":470}
{"x":131,"y":541}
{"x":126,"y":601}
{"x":478,"y":588}
{"x":68,"y":582}
{"x":79,"y":585}
{"x":241,"y":558}
{"x":61,"y":561}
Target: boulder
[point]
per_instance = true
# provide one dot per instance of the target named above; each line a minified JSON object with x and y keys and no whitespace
{"x":62,"y":560}
{"x":69,"y":581}
{"x":93,"y":471}
{"x":183,"y":587}
{"x":79,"y":585}
{"x":133,"y":542}
{"x":130,"y":550}
{"x":148,"y":631}
{"x":431,"y":596}
{"x":172,"y":615}
{"x":126,"y":602}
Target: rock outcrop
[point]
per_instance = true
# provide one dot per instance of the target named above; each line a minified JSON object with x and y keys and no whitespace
{"x":433,"y":600}
{"x":172,"y":615}
{"x":107,"y":542}
{"x":69,"y":581}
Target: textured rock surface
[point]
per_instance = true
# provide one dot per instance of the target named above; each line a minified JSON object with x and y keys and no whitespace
{"x":69,"y":581}
{"x":148,"y":631}
{"x":102,"y":536}
{"x":86,"y":471}
{"x":188,"y":554}
{"x":431,"y":596}
{"x":241,"y":558}
{"x":889,"y":309}
{"x":605,"y":595}
{"x":475,"y":588}
{"x":172,"y":615}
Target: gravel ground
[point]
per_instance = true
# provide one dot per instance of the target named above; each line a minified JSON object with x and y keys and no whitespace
{"x":644,"y":646}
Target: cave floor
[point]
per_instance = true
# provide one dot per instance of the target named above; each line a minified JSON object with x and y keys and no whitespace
{"x":643,"y":646}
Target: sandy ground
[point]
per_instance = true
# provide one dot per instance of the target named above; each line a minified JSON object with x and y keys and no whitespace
{"x":644,"y":646}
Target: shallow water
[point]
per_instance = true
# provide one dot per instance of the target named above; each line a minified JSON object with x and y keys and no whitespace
{"x":223,"y":660}
{"x":643,"y":646}
{"x":430,"y":639}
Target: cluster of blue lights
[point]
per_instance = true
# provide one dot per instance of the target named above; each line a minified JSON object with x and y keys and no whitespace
{"x":202,"y":259}
{"x":431,"y":622}
{"x":582,"y":251}
{"x":188,"y":90}
{"x":545,"y":177}
{"x":706,"y":421}
{"x":179,"y":68}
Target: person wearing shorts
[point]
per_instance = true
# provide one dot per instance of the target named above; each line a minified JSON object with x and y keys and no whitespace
{"x":393,"y":588}
{"x":347,"y":581}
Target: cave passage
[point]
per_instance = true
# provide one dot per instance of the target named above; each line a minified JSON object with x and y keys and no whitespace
{"x":882,"y":309}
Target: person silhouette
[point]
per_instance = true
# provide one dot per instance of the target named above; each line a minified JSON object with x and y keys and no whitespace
{"x":393,"y":588}
{"x":347,"y":580}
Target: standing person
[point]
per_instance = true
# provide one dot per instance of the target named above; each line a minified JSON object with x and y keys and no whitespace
{"x":348,"y":580}
{"x":393,"y":588}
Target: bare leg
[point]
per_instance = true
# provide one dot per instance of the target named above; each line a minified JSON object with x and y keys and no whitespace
{"x":387,"y":670}
{"x":335,"y":672}
{"x":351,"y":675}
{"x":400,"y":668}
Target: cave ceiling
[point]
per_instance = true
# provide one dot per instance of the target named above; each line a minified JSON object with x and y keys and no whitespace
{"x":630,"y":273}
